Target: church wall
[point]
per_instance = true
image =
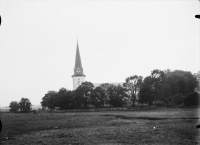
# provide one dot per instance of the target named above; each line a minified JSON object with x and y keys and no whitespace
{"x":77,"y":81}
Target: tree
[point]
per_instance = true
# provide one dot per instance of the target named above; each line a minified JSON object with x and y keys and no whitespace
{"x":133,"y":83}
{"x":88,"y":84}
{"x":169,"y":83}
{"x":104,"y":87}
{"x":192,"y":81}
{"x":197,"y":76}
{"x":63,"y":99}
{"x":83,"y":93}
{"x":185,"y":80}
{"x":49,"y":100}
{"x":146,"y":92}
{"x":25,"y":105}
{"x":178,"y":99}
{"x":157,"y":84}
{"x":111,"y":92}
{"x":76,"y":103}
{"x":97,"y":97}
{"x":172,"y":82}
{"x":120,"y":96}
{"x":14,"y":106}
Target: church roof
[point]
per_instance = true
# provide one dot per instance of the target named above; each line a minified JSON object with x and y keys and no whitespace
{"x":98,"y":84}
{"x":78,"y":69}
{"x":78,"y":58}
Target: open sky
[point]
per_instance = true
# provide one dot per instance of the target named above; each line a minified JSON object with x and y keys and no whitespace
{"x":117,"y":39}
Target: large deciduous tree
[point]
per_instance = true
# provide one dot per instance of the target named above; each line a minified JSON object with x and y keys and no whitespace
{"x":49,"y":100}
{"x":25,"y":105}
{"x":64,"y":99}
{"x":83,"y":93}
{"x":133,"y":84}
{"x":98,"y":97}
{"x":183,"y":82}
{"x":146,"y":92}
{"x":14,"y":106}
{"x":104,"y":87}
{"x":111,"y":92}
{"x":120,"y":96}
{"x":197,"y":76}
{"x":157,"y":84}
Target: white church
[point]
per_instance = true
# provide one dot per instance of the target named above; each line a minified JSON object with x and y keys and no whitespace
{"x":79,"y":76}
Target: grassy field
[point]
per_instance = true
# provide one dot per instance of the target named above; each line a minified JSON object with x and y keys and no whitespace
{"x":158,"y":126}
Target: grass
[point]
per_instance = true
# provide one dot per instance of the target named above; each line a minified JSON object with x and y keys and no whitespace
{"x":172,"y":126}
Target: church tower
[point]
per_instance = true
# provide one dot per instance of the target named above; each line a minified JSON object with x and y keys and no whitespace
{"x":78,"y":76}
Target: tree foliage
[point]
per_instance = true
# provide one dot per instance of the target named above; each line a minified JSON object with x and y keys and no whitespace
{"x":49,"y":100}
{"x":133,"y":84}
{"x":197,"y":76}
{"x":184,"y":81}
{"x":162,"y":86}
{"x":63,"y":99}
{"x":120,"y":96}
{"x":159,"y":86}
{"x":104,"y":87}
{"x":146,"y":91}
{"x":14,"y":106}
{"x":111,"y":92}
{"x":178,"y":99}
{"x":157,"y":77}
{"x":83,"y":93}
{"x":25,"y":105}
{"x":98,"y":97}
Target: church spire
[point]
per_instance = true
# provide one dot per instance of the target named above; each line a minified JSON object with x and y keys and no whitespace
{"x":78,"y":58}
{"x":78,"y":69}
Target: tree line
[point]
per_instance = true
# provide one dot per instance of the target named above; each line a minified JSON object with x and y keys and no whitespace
{"x":168,"y":87}
{"x":85,"y":95}
{"x":24,"y":105}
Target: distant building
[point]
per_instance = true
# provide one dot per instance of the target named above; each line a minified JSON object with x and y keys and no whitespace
{"x":192,"y":100}
{"x":78,"y":76}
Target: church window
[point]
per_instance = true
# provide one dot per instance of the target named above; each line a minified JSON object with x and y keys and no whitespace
{"x":78,"y":70}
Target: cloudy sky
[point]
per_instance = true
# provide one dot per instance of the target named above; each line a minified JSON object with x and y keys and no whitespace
{"x":117,"y":39}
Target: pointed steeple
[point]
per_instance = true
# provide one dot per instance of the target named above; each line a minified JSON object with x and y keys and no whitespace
{"x":78,"y":58}
{"x":78,"y":69}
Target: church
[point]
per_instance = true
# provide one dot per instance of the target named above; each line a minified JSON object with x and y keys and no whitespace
{"x":79,"y":76}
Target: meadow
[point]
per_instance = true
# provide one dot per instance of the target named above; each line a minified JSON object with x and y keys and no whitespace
{"x":157,"y":126}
